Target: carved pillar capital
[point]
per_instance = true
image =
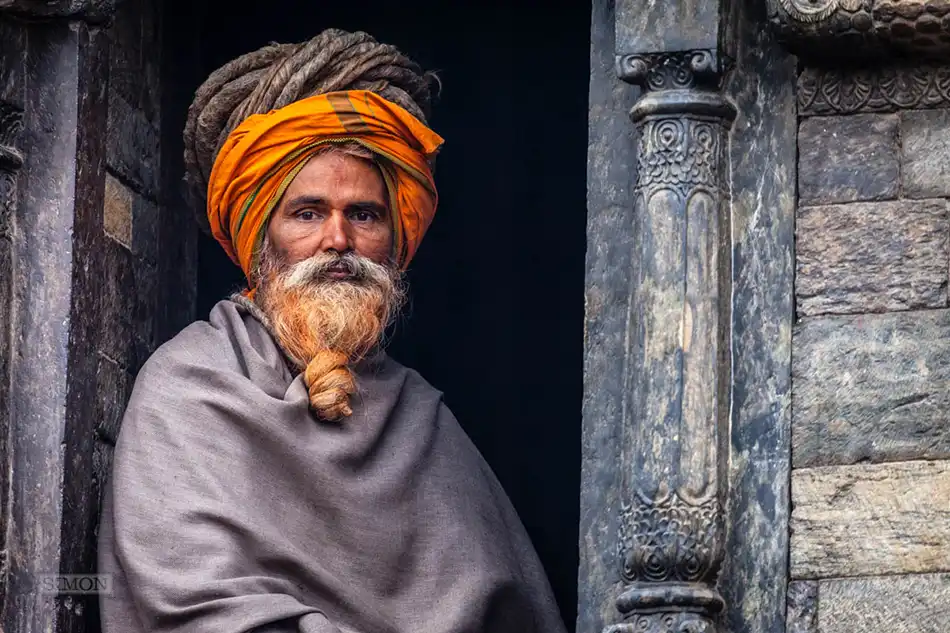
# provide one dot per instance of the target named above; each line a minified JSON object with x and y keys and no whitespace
{"x":671,"y":541}
{"x":664,"y":71}
{"x":89,"y":10}
{"x":682,"y":82}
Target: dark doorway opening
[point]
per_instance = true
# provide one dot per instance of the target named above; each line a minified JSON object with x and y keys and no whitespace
{"x":496,"y":318}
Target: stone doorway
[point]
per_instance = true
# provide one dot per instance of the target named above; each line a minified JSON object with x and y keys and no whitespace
{"x":100,"y":260}
{"x":496,"y":318}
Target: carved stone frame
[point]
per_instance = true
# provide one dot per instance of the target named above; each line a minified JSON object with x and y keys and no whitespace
{"x":684,"y":519}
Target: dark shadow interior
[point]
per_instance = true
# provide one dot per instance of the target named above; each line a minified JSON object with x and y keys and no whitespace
{"x":496,"y":318}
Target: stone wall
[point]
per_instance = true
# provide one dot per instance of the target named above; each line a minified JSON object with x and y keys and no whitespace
{"x":97,"y":268}
{"x":130,"y":216}
{"x":148,"y":238}
{"x":870,"y":525}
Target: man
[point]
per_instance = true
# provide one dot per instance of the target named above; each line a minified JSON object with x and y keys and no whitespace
{"x":275,"y":470}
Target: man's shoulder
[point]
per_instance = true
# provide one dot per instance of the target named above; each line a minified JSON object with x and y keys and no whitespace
{"x":412,"y":380}
{"x":223,"y":342}
{"x":202,"y":339}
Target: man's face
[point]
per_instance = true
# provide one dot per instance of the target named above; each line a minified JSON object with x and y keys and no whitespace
{"x":325,"y":278}
{"x":336,"y":203}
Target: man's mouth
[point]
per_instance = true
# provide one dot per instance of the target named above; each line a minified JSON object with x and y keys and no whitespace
{"x":338,"y":271}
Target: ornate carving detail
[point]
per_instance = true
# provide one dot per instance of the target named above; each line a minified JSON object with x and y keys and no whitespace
{"x":11,"y":123}
{"x":670,"y":544}
{"x":881,"y":89}
{"x":817,"y":10}
{"x":671,"y":539}
{"x":679,"y":151}
{"x":669,"y":71}
{"x":863,"y":28}
{"x":91,"y":10}
{"x":670,"y":622}
{"x":8,"y":201}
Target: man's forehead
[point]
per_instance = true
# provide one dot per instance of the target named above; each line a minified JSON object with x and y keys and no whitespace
{"x":336,"y":176}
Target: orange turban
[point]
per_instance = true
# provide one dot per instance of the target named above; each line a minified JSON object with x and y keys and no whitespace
{"x":262,"y":156}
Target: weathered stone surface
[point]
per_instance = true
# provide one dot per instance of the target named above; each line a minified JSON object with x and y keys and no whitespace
{"x":116,"y":301}
{"x":645,"y":26}
{"x":872,"y":257}
{"x":145,"y":311}
{"x":753,"y":580}
{"x":925,"y":139}
{"x":839,"y":30}
{"x":802,"y":607}
{"x":92,"y":10}
{"x":113,"y":386}
{"x":126,"y":59}
{"x":612,"y":164}
{"x":59,"y":212}
{"x":77,"y":553}
{"x":889,"y":604}
{"x":848,"y":158}
{"x":145,"y":229}
{"x":75,"y":291}
{"x":871,"y":388}
{"x":874,"y":519}
{"x":12,"y":81}
{"x":117,"y":211}
{"x":101,"y":469}
{"x":12,"y":47}
{"x":133,"y":146}
{"x":154,"y":51}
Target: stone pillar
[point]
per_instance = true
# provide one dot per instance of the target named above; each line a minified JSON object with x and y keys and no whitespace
{"x":676,"y":411}
{"x":11,"y":159}
{"x":54,"y":77}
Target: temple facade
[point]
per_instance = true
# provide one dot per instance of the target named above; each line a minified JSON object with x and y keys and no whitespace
{"x":762,"y":317}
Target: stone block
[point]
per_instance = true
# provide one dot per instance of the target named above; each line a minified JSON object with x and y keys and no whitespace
{"x":116,"y":302}
{"x":113,"y":388}
{"x":126,"y":52}
{"x":102,"y":455}
{"x":926,"y":153}
{"x":870,"y":519}
{"x":802,"y":606}
{"x":872,"y":257}
{"x":885,"y":604}
{"x":145,"y":312}
{"x":848,"y":158}
{"x":871,"y":388}
{"x":145,"y":233}
{"x":132,"y":150}
{"x":117,"y":211}
{"x":152,"y":58}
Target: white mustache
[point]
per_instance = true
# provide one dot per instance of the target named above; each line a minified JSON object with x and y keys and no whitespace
{"x":317,"y":267}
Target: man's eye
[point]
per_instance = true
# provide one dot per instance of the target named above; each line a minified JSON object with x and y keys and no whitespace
{"x":363,"y":216}
{"x":306,"y":215}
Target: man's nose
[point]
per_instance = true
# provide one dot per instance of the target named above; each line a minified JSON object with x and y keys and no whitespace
{"x":336,"y":235}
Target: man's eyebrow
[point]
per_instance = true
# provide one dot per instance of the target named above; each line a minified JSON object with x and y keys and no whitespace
{"x":367,"y":205}
{"x":307,"y":200}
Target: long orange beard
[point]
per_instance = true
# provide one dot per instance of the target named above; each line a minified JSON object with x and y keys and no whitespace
{"x":326,"y":325}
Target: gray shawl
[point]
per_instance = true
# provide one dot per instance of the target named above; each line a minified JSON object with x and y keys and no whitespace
{"x":232,"y":508}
